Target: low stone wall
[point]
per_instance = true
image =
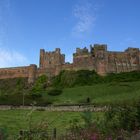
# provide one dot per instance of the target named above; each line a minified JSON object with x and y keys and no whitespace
{"x":90,"y":108}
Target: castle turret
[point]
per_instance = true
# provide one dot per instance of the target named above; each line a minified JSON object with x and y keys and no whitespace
{"x":51,"y":59}
{"x":32,"y":73}
{"x":42,"y":57}
{"x":134,"y":58}
{"x":100,"y":54}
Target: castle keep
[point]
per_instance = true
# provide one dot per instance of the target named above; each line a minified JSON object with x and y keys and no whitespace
{"x":98,"y":58}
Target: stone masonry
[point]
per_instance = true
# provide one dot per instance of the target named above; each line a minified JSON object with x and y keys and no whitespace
{"x":98,"y":58}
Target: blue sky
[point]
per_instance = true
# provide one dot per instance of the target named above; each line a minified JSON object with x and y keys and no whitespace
{"x":28,"y":25}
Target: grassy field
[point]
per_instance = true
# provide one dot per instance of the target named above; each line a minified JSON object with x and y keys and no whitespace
{"x":102,"y":94}
{"x":15,"y":120}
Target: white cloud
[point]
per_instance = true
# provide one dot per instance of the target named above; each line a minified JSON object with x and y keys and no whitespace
{"x":8,"y":58}
{"x":12,"y":58}
{"x":85,"y":15}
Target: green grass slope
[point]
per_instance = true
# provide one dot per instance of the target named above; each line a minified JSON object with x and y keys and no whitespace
{"x":73,"y":87}
{"x":101,"y":94}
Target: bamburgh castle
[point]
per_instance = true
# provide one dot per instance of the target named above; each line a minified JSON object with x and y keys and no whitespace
{"x":98,"y":58}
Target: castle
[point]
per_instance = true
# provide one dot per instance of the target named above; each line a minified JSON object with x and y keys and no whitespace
{"x":98,"y":58}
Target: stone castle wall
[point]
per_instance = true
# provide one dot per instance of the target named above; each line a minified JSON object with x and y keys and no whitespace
{"x":13,"y":72}
{"x":17,"y":72}
{"x":98,"y":58}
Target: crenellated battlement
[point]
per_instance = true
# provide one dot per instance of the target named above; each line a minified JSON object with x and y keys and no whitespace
{"x":96,"y":58}
{"x":100,"y":47}
{"x":130,"y":49}
{"x":80,"y":51}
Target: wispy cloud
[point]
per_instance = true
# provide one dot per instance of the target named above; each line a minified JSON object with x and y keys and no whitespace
{"x":85,"y":16}
{"x":8,"y":57}
{"x":11,"y":58}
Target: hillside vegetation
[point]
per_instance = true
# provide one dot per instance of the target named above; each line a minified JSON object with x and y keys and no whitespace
{"x":72,"y":87}
{"x":12,"y":86}
{"x":86,"y":77}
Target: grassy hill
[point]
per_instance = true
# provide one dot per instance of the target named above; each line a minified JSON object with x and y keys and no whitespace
{"x":122,"y":88}
{"x":73,"y":87}
{"x":101,"y":94}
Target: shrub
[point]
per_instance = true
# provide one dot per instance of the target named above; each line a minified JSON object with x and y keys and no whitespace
{"x":122,"y":117}
{"x":40,"y":84}
{"x":35,"y":95}
{"x":54,"y":92}
{"x":17,"y":100}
